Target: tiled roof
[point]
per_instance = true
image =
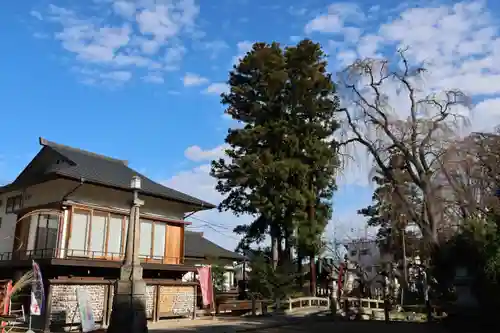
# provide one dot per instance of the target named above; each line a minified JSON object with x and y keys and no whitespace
{"x":197,"y":246}
{"x":111,"y":172}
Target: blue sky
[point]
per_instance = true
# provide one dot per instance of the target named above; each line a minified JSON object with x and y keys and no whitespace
{"x":140,"y":80}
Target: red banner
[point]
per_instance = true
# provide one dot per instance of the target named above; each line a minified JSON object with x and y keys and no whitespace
{"x":206,"y":285}
{"x":6,"y":303}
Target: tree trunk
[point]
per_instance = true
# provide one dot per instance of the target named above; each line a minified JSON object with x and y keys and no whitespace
{"x":312,"y":267}
{"x":288,"y":247}
{"x":274,"y":246}
{"x":280,"y":248}
{"x":300,"y":270}
{"x":274,"y":251}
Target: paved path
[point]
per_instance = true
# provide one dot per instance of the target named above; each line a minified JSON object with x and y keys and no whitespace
{"x":229,"y":324}
{"x":297,"y":325}
{"x":355,"y":327}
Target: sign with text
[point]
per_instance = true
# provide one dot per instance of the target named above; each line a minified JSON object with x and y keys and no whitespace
{"x":176,"y":300}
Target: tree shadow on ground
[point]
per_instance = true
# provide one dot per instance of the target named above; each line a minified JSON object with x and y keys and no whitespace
{"x":310,"y":323}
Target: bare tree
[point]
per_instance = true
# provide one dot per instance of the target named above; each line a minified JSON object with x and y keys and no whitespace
{"x":403,"y":128}
{"x":471,"y":173}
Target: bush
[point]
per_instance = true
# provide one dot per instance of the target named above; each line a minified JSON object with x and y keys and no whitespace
{"x":270,"y":283}
{"x":477,"y":248}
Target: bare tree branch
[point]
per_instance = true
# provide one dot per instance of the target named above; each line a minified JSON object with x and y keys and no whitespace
{"x":404,"y":130}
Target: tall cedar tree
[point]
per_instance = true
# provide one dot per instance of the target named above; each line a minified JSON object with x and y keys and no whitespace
{"x":283,"y":159}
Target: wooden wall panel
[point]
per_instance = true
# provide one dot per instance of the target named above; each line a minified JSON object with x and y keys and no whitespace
{"x":175,"y":244}
{"x":21,"y":234}
{"x":182,"y":240}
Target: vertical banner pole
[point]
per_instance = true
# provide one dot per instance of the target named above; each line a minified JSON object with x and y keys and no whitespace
{"x":213,"y":293}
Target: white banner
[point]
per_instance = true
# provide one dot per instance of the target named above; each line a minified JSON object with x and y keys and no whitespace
{"x":85,"y":309}
{"x":34,"y":307}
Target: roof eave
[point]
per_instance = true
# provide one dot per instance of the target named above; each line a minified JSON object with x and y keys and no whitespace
{"x":220,"y":257}
{"x":202,"y":206}
{"x":14,"y":186}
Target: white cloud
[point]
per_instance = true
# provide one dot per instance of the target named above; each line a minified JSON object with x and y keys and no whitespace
{"x":196,"y":154}
{"x":191,"y":79}
{"x":143,"y":35}
{"x":486,"y":115}
{"x":36,"y":14}
{"x":95,"y":77}
{"x":153,"y":77}
{"x":216,"y":89}
{"x":121,"y":76}
{"x":334,"y":20}
{"x":173,"y":57}
{"x":39,"y":35}
{"x":157,"y":23}
{"x":242,"y":48}
{"x":148,"y":46}
{"x":297,"y":11}
{"x":458,"y":44}
{"x":124,"y":8}
{"x":216,"y":226}
{"x":215,"y":47}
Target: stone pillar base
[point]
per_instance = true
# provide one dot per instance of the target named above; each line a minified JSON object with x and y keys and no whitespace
{"x":129,"y":308}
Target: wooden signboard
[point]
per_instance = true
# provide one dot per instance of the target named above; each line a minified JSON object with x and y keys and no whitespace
{"x":176,"y":301}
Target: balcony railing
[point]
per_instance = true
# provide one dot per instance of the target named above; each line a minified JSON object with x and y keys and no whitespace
{"x":83,"y":255}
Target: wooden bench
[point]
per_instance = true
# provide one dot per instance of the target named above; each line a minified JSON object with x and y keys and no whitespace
{"x":240,"y":306}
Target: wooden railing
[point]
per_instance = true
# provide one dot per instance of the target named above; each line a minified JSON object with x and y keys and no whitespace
{"x":57,"y":253}
{"x":294,"y":304}
{"x":362,"y":303}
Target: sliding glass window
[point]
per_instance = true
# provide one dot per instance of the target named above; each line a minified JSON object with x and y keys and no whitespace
{"x":47,"y":231}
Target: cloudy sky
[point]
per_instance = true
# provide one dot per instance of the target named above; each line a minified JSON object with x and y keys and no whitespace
{"x":140,"y":80}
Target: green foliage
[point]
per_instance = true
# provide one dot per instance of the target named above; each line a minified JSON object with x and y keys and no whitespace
{"x":389,"y":215}
{"x":218,"y":278}
{"x":479,"y":244}
{"x":477,"y":248}
{"x":269,"y":283}
{"x":254,"y":233}
{"x":282,"y":160}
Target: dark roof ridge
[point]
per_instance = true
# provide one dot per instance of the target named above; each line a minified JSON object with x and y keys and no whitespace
{"x":47,"y":143}
{"x":200,"y":233}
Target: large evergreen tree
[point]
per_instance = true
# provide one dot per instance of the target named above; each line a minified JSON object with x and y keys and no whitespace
{"x":283,"y":159}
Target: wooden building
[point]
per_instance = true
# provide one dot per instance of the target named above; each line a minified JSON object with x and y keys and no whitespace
{"x":69,"y":210}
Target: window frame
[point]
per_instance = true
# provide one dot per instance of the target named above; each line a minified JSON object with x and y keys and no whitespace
{"x":152,"y":257}
{"x":45,"y":218}
{"x":104,"y":250}
{"x":88,"y":253}
{"x":13,"y":204}
{"x":69,"y":252}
